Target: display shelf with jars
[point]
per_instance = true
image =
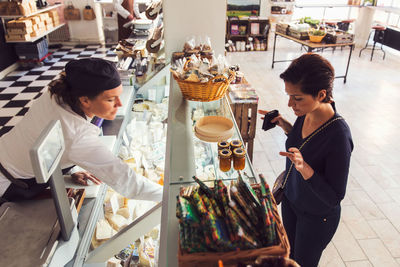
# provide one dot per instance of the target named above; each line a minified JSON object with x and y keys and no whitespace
{"x":247,"y":34}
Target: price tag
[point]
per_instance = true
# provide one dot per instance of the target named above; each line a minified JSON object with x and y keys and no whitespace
{"x":166,"y":91}
{"x":152,"y":94}
{"x":114,"y":203}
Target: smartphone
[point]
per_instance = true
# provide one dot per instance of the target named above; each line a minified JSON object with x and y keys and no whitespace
{"x":267,"y":124}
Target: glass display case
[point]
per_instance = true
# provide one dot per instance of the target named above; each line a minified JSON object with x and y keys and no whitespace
{"x":180,"y":152}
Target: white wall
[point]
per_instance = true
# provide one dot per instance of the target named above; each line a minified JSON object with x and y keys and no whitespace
{"x":185,"y":18}
{"x":86,"y":31}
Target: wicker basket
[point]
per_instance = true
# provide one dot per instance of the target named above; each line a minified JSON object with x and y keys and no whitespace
{"x":316,"y":38}
{"x":212,"y":90}
{"x":231,"y":258}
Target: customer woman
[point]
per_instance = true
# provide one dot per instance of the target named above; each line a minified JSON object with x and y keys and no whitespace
{"x":88,"y":87}
{"x":316,"y":182}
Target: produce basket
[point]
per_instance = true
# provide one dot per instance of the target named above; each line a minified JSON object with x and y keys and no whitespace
{"x":212,"y":90}
{"x":231,"y":258}
{"x":316,"y":38}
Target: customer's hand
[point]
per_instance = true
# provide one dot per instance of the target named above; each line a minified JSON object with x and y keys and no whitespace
{"x":279,"y":120}
{"x":301,"y":166}
{"x":82,"y":177}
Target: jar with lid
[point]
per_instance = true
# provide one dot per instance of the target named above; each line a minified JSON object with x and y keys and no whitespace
{"x":239,"y":159}
{"x":236,"y":144}
{"x":225,"y":159}
{"x":223,"y":144}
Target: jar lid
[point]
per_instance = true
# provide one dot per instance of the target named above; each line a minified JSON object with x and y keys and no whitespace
{"x":223,"y":144}
{"x":236,"y":143}
{"x":239,"y":152}
{"x":225,"y":153}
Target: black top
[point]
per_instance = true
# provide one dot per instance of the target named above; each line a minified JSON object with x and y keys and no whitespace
{"x":328,"y":153}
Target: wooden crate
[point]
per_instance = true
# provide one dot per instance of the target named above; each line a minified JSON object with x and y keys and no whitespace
{"x":246,"y":120}
{"x":231,"y":258}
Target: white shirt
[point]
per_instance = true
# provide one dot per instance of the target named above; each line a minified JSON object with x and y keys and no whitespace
{"x":83,"y":147}
{"x":125,"y":13}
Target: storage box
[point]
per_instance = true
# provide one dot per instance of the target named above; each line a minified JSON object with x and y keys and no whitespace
{"x":297,"y":34}
{"x":12,"y":31}
{"x":34,"y":50}
{"x":231,"y":258}
{"x":53,"y":13}
{"x":339,"y":37}
{"x":21,"y":23}
{"x":35,"y":19}
{"x":18,"y":37}
{"x":282,"y":28}
{"x":56,"y":22}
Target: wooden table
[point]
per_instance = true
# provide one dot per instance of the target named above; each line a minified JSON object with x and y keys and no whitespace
{"x":312,"y":46}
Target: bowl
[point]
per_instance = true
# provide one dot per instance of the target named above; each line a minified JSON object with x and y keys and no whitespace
{"x":214,"y":128}
{"x":316,"y":38}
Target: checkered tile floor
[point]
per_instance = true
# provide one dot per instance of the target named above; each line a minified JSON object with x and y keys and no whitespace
{"x":20,"y":88}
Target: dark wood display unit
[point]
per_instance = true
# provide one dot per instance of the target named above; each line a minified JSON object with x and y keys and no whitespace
{"x":248,"y":23}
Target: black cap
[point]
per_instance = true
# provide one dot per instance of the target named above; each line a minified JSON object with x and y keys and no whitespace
{"x":91,"y":76}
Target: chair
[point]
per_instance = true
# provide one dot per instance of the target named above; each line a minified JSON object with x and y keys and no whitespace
{"x":379,"y":35}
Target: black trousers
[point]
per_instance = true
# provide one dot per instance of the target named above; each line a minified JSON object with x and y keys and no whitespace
{"x":308,"y":234}
{"x":16,"y":193}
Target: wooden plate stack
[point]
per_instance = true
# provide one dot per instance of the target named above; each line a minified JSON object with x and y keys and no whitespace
{"x":213,"y":128}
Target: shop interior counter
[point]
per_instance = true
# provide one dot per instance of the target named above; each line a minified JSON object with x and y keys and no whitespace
{"x":185,"y":156}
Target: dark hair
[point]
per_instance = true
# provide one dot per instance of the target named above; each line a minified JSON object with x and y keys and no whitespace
{"x":313,"y":73}
{"x":64,"y":94}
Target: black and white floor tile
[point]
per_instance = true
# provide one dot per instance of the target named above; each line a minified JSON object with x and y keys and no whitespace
{"x":20,"y":88}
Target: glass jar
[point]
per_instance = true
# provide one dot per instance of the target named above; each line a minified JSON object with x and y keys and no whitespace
{"x":223,"y":145}
{"x":239,"y":159}
{"x":236,"y":144}
{"x":225,"y":159}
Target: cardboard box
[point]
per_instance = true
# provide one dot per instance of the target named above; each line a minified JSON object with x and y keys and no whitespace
{"x":49,"y":27}
{"x":18,"y":37}
{"x":48,"y":21}
{"x":21,"y":23}
{"x":53,"y":14}
{"x":12,"y":31}
{"x":35,"y":19}
{"x":25,"y":9}
{"x":43,"y":16}
{"x":56,"y":22}
{"x":32,"y":5}
{"x":41,"y":25}
{"x":38,"y":32}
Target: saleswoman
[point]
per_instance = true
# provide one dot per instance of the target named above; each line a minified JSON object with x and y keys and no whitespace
{"x":317,"y":181}
{"x":88,"y":87}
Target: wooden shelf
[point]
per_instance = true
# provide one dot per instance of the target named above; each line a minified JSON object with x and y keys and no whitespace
{"x":38,"y":37}
{"x":237,"y":35}
{"x":32,"y":14}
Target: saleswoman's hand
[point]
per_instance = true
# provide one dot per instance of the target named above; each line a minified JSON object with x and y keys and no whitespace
{"x":82,"y":177}
{"x":301,"y":166}
{"x":279,"y":120}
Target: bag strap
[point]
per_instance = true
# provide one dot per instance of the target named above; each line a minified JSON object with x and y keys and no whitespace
{"x":17,"y":182}
{"x":305,"y":142}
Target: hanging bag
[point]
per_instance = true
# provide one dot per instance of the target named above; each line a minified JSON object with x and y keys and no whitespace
{"x":88,"y":13}
{"x":72,"y":13}
{"x":280,"y":182}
